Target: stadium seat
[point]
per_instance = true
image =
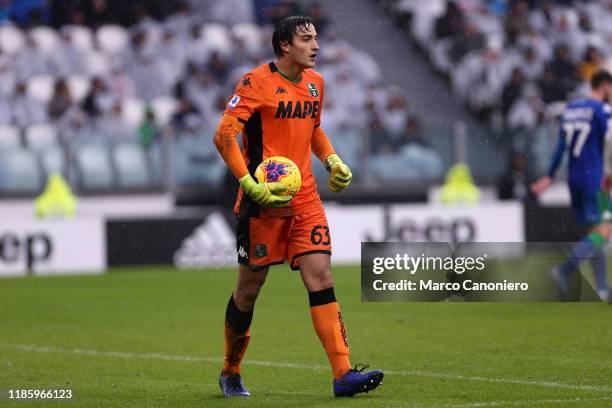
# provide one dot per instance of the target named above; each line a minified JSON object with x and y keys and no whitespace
{"x":348,"y":144}
{"x":156,"y":158}
{"x":93,"y":166}
{"x":112,"y":38}
{"x":249,"y":33}
{"x":425,"y":161}
{"x":217,"y":37}
{"x":41,"y":87}
{"x":9,"y":136}
{"x":195,"y":162}
{"x":52,"y":159}
{"x":19,"y":171}
{"x":79,"y":86}
{"x":393,"y":167}
{"x":40,"y":135}
{"x":153,"y":32}
{"x":81,"y":36}
{"x":97,"y":63}
{"x":12,"y":39}
{"x":131,"y":164}
{"x":45,"y":38}
{"x":133,"y":111}
{"x":320,"y":172}
{"x":163,"y":108}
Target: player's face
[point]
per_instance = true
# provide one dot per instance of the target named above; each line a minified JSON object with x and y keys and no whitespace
{"x":608,"y":93}
{"x":303,"y":51}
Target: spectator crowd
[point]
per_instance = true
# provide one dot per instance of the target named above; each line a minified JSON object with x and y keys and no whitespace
{"x":520,"y":59}
{"x":113,"y":72}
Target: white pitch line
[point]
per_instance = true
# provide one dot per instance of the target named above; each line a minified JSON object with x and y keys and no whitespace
{"x":550,"y":384}
{"x":167,"y":357}
{"x":527,"y":402}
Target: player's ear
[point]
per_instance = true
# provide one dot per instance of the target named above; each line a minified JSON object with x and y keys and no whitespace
{"x":284,"y":45}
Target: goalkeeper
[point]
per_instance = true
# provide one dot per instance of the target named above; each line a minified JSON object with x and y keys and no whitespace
{"x":277,"y":106}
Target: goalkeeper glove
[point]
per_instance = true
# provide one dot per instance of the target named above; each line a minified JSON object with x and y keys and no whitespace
{"x":265,"y":194}
{"x":340,"y":174}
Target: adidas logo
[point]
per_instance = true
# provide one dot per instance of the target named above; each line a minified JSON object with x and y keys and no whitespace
{"x":211,"y":244}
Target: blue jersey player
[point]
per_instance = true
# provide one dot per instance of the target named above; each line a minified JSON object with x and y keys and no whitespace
{"x":586,"y":133}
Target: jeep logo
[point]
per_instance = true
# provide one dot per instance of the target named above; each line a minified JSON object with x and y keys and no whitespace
{"x":35,"y":248}
{"x":459,"y":229}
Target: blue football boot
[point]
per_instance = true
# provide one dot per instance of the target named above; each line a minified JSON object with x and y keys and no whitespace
{"x":232,"y":386}
{"x":356,"y":381}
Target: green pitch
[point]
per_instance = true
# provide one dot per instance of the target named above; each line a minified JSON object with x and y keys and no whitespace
{"x":154,"y":338}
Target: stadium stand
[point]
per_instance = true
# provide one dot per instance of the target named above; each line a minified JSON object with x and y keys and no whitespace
{"x":107,"y":94}
{"x":19,"y":171}
{"x":513,"y":63}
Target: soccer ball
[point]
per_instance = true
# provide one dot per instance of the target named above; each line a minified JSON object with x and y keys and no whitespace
{"x":279,"y":169}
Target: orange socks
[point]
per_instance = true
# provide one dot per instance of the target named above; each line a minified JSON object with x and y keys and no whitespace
{"x":235,"y":347}
{"x":326,"y":319}
{"x":237,"y":336}
{"x":328,"y":324}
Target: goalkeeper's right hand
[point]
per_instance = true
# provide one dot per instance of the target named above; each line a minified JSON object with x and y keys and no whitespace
{"x":265,"y":194}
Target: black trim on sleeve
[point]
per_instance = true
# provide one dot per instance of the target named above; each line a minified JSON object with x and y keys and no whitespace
{"x":243,"y":121}
{"x":322,"y":297}
{"x":253,"y":130}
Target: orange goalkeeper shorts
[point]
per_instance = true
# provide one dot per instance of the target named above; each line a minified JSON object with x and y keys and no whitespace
{"x":262,"y":242}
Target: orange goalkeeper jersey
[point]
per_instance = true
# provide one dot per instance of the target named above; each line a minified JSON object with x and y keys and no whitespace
{"x":280,"y":116}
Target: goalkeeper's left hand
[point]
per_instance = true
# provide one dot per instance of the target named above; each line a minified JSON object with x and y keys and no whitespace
{"x":340,"y":174}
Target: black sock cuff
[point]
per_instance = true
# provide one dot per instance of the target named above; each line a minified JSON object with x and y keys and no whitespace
{"x":322,"y":297}
{"x":238,"y":320}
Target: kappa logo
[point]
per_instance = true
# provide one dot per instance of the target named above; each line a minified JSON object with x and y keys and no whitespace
{"x":342,"y":329}
{"x":242,"y":253}
{"x":233,"y":101}
{"x":211,"y":244}
{"x":246,"y":81}
{"x":280,"y":90}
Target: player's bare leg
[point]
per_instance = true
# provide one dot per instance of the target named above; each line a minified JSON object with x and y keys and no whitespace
{"x":590,"y":247}
{"x":316,"y":272}
{"x":238,"y":316}
{"x":248,"y":286}
{"x":327,"y":321}
{"x":598,"y":261}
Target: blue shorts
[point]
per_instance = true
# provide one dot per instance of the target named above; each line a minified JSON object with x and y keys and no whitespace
{"x":591,"y":207}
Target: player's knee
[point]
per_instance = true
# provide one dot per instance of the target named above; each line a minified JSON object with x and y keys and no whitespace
{"x":247,"y":293}
{"x":320,"y":280}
